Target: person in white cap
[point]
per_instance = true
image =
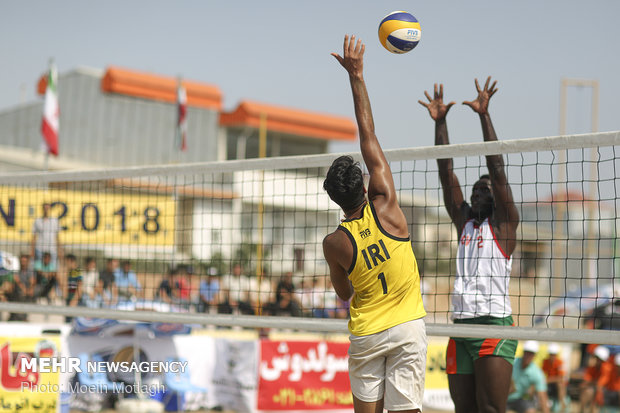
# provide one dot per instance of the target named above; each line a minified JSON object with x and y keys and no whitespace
{"x":611,"y":391}
{"x":553,"y":367}
{"x":529,"y":387}
{"x":595,"y":378}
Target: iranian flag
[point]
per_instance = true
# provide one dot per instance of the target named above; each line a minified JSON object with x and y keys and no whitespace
{"x":51,"y":111}
{"x":182,"y":118}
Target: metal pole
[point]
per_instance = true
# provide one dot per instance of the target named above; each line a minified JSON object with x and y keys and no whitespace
{"x":559,"y":237}
{"x":591,"y":249}
{"x":262,"y":153}
{"x":590,"y":199}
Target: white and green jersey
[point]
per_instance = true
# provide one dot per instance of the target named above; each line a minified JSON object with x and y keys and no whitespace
{"x":482,"y":274}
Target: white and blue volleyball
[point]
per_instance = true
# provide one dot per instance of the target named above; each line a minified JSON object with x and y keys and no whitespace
{"x":399,"y":32}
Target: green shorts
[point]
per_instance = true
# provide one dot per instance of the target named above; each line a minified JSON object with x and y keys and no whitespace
{"x":463,"y":352}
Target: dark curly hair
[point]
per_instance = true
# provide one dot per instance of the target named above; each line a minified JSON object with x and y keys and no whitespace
{"x":345,"y":183}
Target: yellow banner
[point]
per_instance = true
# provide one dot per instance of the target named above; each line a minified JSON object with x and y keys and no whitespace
{"x":436,"y":377}
{"x":25,"y":389}
{"x":89,"y":217}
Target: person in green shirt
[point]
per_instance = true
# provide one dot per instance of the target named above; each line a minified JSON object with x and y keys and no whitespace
{"x":45,"y":270}
{"x":528,"y":391}
{"x":74,"y":284}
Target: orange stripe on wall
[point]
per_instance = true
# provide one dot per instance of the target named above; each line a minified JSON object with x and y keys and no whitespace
{"x":247,"y":114}
{"x":164,"y":88}
{"x":291,"y":121}
{"x":153,"y":87}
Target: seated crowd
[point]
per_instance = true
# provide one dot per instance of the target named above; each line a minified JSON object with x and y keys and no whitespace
{"x":77,"y":282}
{"x":533,"y":389}
{"x":543,"y":387}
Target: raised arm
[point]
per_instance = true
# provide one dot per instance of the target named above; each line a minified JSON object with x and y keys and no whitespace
{"x":506,"y":215}
{"x":505,"y":207}
{"x":381,"y":185}
{"x":337,"y":247}
{"x":452,"y":193}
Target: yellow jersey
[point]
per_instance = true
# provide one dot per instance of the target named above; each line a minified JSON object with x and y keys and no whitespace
{"x":384,"y":274}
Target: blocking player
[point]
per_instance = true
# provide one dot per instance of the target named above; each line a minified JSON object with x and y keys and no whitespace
{"x":371,"y":262}
{"x":479,"y":370}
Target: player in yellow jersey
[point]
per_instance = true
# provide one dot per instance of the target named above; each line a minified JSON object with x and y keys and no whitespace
{"x":371,"y":262}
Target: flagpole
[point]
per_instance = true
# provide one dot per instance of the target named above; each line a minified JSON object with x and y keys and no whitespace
{"x":181,"y":126}
{"x":51,"y":114}
{"x":178,"y":138}
{"x":46,"y":157}
{"x":177,"y":128}
{"x":262,"y":153}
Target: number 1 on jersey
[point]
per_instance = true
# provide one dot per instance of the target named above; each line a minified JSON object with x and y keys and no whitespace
{"x":381,"y":277}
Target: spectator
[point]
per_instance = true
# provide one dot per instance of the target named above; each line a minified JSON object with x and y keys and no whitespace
{"x":47,"y":277}
{"x":9,"y":264}
{"x":317,"y":301}
{"x":285,"y":285}
{"x":166,"y":292}
{"x":287,"y":306}
{"x":285,"y":303}
{"x":333,"y":303}
{"x":106,"y":285}
{"x":529,"y":388}
{"x":595,"y":378}
{"x":209,"y":289}
{"x":175,"y":288}
{"x":74,"y":284}
{"x":126,"y":282}
{"x":183,"y":286}
{"x":304,"y":296}
{"x":6,"y":284}
{"x":24,"y":282}
{"x":324,"y":298}
{"x":611,"y":395}
{"x":45,"y":236}
{"x":605,"y":317}
{"x":234,"y":289}
{"x":261,"y":291}
{"x":553,"y":367}
{"x":89,"y":282}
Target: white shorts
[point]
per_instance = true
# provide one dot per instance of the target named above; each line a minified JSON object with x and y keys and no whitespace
{"x":390,"y":365}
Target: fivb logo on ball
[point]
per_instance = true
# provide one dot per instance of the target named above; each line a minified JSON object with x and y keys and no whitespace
{"x":399,"y":32}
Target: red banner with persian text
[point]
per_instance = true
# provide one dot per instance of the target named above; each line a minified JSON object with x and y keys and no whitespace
{"x":22,"y":388}
{"x":299,"y":375}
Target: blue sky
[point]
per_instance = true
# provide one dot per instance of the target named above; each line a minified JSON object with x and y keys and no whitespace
{"x":279,"y":52}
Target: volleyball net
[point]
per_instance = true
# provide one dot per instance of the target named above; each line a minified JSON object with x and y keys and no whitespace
{"x":239,"y":243}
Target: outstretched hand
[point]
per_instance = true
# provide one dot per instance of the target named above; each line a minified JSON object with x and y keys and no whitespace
{"x":481,"y":103}
{"x":436,"y":108}
{"x":353,"y":60}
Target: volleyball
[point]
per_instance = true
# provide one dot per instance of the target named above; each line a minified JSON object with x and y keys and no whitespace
{"x":399,"y":32}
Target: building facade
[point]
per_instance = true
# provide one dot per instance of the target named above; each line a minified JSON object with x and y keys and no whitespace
{"x":119,"y":118}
